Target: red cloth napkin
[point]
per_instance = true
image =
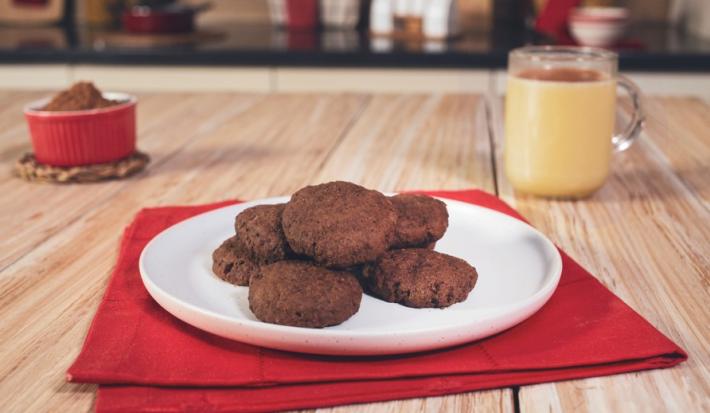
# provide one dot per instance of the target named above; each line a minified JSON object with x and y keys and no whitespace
{"x":148,"y":361}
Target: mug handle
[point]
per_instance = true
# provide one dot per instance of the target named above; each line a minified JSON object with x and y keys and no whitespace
{"x":623,"y":140}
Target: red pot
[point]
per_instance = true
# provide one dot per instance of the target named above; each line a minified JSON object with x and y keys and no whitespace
{"x":83,"y":137}
{"x":175,"y":18}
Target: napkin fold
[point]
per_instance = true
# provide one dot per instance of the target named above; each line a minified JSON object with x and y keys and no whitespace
{"x":146,"y":360}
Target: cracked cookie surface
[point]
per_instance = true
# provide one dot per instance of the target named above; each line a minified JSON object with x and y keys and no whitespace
{"x":232,"y":264}
{"x":260,"y":233}
{"x":421,"y":220}
{"x":420,"y":278}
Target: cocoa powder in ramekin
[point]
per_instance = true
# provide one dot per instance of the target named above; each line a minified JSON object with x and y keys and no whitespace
{"x":81,"y":96}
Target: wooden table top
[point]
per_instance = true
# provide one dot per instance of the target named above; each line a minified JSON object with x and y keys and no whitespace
{"x":645,"y":234}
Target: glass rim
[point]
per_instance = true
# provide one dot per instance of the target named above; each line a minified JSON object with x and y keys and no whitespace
{"x":564,"y":54}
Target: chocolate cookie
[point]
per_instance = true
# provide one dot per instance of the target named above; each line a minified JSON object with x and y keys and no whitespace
{"x":339,"y":224}
{"x":301,"y":294}
{"x":421,"y":220}
{"x":232,"y":264}
{"x":260,"y":233}
{"x":420,"y":278}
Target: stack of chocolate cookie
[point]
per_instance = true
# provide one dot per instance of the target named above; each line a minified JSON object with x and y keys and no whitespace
{"x":306,"y":262}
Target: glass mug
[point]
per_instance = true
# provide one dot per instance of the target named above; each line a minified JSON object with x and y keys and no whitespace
{"x":559,"y":119}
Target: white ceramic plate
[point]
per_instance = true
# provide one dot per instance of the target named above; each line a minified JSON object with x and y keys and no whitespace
{"x":518,"y":271}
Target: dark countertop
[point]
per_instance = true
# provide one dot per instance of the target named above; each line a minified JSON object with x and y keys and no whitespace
{"x":647,"y":48}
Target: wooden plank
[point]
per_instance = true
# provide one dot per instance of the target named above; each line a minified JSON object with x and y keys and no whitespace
{"x":678,"y":128}
{"x":498,"y":401}
{"x":416,"y":142}
{"x":645,"y":236}
{"x":13,"y":130}
{"x":65,"y":278}
{"x":60,"y":205}
{"x":244,"y":149}
{"x":419,"y":142}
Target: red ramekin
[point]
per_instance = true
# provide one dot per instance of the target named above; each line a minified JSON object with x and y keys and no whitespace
{"x":83,"y":137}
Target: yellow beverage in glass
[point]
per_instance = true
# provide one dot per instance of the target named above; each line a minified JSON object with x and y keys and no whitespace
{"x":558,"y":134}
{"x":559,"y":119}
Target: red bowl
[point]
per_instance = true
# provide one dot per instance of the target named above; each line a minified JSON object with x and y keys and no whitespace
{"x":599,"y":14}
{"x":83,"y":137}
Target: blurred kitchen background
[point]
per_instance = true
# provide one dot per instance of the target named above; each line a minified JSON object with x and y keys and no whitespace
{"x":338,"y":45}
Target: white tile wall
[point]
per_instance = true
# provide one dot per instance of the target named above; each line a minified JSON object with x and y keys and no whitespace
{"x":184,"y":79}
{"x":31,"y":77}
{"x":270,"y":79}
{"x":380,"y":80}
{"x":670,"y":84}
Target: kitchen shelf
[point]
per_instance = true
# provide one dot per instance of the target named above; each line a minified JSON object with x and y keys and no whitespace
{"x":647,"y":48}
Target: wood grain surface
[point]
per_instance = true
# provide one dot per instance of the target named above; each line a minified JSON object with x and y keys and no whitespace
{"x":645,"y":234}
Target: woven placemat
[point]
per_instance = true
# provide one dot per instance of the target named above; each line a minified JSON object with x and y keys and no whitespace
{"x":29,"y":169}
